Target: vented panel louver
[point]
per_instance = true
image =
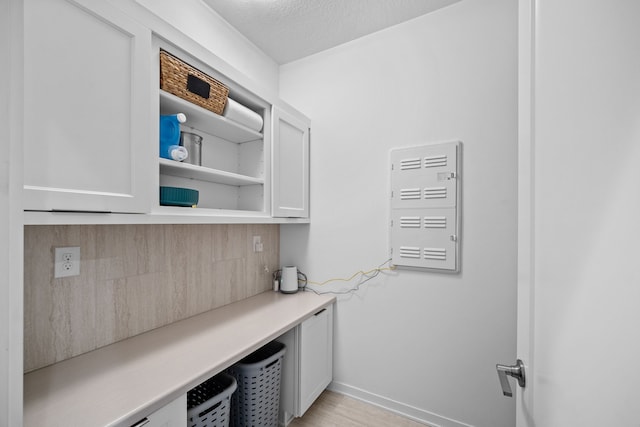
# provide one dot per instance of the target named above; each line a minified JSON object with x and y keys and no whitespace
{"x":425,"y":206}
{"x":410,"y":222}
{"x":410,"y":194}
{"x":406,"y":252}
{"x":435,"y":253}
{"x":435,"y":221}
{"x":410,"y":164}
{"x":435,"y":193}
{"x":435,"y":161}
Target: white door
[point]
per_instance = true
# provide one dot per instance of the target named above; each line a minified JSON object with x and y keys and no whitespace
{"x":579,"y":210}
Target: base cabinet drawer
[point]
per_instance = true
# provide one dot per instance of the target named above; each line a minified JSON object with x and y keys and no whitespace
{"x":173,"y":414}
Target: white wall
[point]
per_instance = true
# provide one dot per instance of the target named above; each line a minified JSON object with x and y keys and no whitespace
{"x":586,"y":173}
{"x":10,"y":214}
{"x":425,"y":344}
{"x":201,"y":23}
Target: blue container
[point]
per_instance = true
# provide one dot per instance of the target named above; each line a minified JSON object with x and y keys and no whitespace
{"x":170,"y":134}
{"x":177,"y":196}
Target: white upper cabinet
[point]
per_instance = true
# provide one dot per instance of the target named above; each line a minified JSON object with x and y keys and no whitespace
{"x":290,"y":169}
{"x":86,"y":108}
{"x":92,"y":107}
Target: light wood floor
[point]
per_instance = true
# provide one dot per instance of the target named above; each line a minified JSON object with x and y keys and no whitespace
{"x":333,"y":409}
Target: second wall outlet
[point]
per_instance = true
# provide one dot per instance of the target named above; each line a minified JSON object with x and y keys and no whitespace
{"x":67,"y":262}
{"x":257,"y":244}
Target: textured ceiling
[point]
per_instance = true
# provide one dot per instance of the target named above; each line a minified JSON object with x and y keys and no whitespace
{"x":287,"y":30}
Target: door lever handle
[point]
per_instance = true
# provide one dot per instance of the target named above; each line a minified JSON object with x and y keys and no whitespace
{"x":516,"y":371}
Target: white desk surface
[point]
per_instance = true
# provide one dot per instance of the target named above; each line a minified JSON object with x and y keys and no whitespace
{"x":120,"y":384}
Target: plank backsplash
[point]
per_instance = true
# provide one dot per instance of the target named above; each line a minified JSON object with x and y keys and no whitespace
{"x":134,"y":278}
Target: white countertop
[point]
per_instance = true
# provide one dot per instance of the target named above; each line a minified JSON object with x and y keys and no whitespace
{"x":121,"y":383}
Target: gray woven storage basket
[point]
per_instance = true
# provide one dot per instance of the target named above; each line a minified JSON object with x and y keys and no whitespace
{"x":208,"y":404}
{"x":257,"y":400}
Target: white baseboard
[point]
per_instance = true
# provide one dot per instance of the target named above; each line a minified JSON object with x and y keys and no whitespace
{"x":411,"y":412}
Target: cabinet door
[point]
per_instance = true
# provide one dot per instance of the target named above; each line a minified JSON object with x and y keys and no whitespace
{"x":173,"y":414}
{"x":290,"y":168}
{"x":87,"y":104}
{"x":316,"y":357}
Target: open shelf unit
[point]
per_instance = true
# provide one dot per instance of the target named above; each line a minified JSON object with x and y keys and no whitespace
{"x":234,"y":170}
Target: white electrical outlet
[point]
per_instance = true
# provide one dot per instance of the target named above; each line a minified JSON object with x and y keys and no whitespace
{"x":67,"y":262}
{"x":257,"y":244}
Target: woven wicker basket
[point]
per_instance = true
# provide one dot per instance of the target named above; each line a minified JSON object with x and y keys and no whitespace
{"x":182,"y":80}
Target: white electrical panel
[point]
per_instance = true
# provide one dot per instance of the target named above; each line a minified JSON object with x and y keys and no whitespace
{"x":425,"y":206}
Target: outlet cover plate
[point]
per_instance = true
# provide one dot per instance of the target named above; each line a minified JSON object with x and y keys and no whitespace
{"x":67,"y":262}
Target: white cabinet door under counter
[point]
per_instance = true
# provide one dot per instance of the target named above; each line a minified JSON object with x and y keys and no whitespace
{"x":308,"y":365}
{"x":316,"y":356}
